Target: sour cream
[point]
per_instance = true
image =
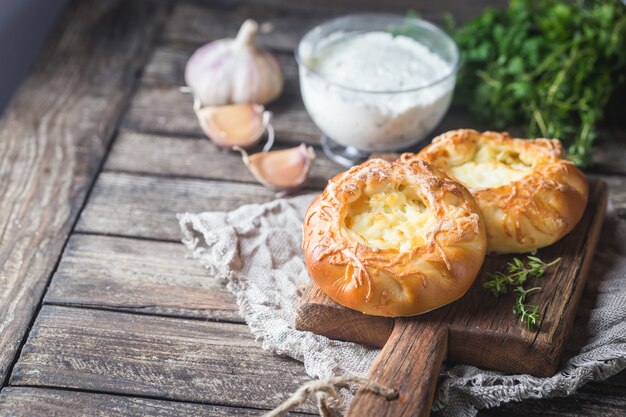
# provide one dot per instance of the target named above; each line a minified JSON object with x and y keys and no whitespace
{"x":375,"y":91}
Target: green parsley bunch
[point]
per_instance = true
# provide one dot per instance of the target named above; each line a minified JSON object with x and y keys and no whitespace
{"x":548,"y":64}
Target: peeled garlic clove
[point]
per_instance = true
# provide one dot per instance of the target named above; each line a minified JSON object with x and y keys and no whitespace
{"x":239,"y":125}
{"x":282,"y":170}
{"x":230,"y":71}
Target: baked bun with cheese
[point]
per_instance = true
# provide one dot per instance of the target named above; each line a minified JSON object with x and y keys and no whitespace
{"x":529,"y":195}
{"x":390,"y":239}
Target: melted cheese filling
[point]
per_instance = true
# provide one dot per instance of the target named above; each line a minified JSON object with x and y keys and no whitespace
{"x":491,"y":167}
{"x":391,"y":218}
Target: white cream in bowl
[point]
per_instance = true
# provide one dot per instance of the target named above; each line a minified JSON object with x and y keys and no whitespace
{"x":374,"y":91}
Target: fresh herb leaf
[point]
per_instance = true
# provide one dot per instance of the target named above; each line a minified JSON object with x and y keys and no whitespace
{"x":546,"y":64}
{"x":499,"y":283}
{"x":529,"y":314}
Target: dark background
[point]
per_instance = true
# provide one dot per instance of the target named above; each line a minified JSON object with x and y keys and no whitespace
{"x":24,"y":25}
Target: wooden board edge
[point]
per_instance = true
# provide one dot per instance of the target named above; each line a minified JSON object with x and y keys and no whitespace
{"x":589,"y":252}
{"x":319,"y":314}
{"x":543,"y":358}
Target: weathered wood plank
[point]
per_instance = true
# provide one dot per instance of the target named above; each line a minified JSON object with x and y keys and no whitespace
{"x":166,"y":65}
{"x":166,"y":110}
{"x":578,"y":405}
{"x":163,"y":109}
{"x":146,"y":206}
{"x":194,"y":157}
{"x":131,"y":354}
{"x":52,"y":139}
{"x":28,"y":402}
{"x":198,"y":23}
{"x":138,"y":276}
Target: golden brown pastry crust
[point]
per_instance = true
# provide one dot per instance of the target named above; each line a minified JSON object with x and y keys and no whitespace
{"x":388,"y":282}
{"x":528,"y":213}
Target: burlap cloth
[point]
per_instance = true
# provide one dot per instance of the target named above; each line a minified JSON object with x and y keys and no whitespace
{"x":255,"y":249}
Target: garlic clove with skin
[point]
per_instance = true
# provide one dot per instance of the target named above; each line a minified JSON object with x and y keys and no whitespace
{"x":230,"y":71}
{"x":283,"y":170}
{"x":240,"y":125}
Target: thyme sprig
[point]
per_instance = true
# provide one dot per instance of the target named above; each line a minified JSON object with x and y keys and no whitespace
{"x":517,"y":274}
{"x":528,"y":313}
{"x":547,"y":64}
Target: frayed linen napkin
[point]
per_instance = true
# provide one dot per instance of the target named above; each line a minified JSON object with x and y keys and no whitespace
{"x":255,"y":249}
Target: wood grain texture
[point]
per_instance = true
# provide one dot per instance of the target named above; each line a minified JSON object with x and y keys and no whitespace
{"x":138,"y":276}
{"x":195,"y":157}
{"x":580,"y":404}
{"x":162,"y":109}
{"x":29,"y":402}
{"x":52,"y":138}
{"x":131,"y":354}
{"x":481,"y":325}
{"x":165,"y":109}
{"x":321,"y":315}
{"x":411,"y":342}
{"x":146,"y":206}
{"x":200,"y":23}
{"x":141,"y":153}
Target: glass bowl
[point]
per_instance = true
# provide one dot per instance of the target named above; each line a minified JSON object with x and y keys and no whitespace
{"x":357,"y":116}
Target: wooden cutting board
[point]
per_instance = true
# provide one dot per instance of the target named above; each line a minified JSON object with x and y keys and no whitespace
{"x":478,"y":329}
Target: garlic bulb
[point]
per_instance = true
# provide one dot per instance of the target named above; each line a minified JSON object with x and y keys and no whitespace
{"x":230,"y":71}
{"x":240,"y":125}
{"x":283,"y":170}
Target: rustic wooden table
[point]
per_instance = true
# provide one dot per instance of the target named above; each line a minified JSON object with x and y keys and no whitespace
{"x":100,"y":311}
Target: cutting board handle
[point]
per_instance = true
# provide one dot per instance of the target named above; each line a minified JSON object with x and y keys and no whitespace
{"x":409,"y":362}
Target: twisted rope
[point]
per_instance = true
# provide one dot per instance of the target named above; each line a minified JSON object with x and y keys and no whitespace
{"x":325,"y":390}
